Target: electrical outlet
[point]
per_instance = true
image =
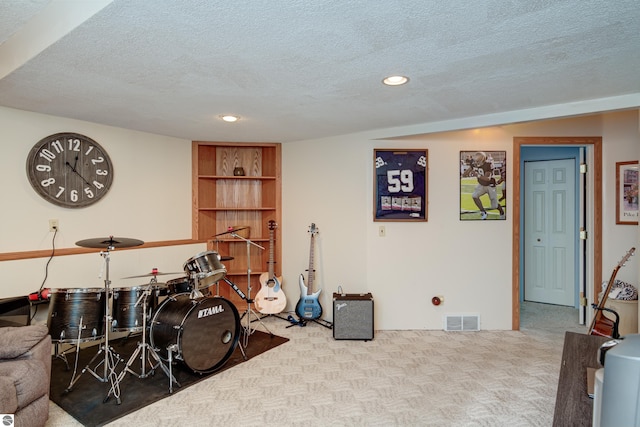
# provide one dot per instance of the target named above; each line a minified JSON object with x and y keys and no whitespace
{"x":381,"y":231}
{"x":53,"y":225}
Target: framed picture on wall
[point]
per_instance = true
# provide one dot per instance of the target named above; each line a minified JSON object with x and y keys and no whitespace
{"x":627,"y":193}
{"x":483,"y":180}
{"x":400,"y":185}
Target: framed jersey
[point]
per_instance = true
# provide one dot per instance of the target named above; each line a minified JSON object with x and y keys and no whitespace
{"x":400,"y":185}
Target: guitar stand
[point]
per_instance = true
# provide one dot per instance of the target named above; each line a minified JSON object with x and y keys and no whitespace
{"x":275,"y":315}
{"x":303,"y":322}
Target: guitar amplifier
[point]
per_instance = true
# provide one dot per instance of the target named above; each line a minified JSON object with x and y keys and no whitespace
{"x":353,"y":316}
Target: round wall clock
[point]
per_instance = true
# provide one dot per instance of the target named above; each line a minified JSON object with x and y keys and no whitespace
{"x":69,"y":170}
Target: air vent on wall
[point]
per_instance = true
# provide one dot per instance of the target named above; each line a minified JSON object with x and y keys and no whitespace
{"x":462,"y":322}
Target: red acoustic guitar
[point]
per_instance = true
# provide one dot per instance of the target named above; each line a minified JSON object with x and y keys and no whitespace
{"x":602,"y":325}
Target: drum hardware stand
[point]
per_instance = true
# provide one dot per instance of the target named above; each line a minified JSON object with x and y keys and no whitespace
{"x":244,"y":297}
{"x":63,"y":356}
{"x":142,"y":347}
{"x":172,"y":379}
{"x":195,"y":292}
{"x":111,"y":358}
{"x":248,"y":330}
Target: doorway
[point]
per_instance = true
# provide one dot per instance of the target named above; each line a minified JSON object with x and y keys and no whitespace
{"x":593,"y":197}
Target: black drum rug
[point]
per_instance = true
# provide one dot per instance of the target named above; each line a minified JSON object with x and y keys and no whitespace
{"x":85,"y":402}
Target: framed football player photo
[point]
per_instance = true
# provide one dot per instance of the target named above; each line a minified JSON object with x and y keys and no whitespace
{"x":483,"y":180}
{"x":400,"y":185}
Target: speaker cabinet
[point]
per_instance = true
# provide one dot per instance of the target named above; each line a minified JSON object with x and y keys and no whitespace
{"x":353,"y":316}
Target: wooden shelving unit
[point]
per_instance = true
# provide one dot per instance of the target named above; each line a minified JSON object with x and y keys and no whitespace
{"x":222,"y":200}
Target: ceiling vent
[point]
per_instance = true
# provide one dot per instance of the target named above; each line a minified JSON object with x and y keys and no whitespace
{"x":463,"y":322}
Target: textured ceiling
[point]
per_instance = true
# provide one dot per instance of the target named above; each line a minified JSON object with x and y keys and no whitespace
{"x":302,"y":69}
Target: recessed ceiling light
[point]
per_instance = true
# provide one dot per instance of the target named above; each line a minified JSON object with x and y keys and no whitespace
{"x":230,"y":118}
{"x":395,"y":80}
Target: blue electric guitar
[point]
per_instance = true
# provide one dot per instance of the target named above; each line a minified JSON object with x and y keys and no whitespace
{"x":309,"y":307}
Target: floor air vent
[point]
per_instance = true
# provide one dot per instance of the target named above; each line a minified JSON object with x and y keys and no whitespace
{"x":462,"y":323}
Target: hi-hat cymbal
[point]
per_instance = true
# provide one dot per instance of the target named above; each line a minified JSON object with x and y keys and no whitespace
{"x":110,"y":242}
{"x":230,"y":230}
{"x":152,"y":274}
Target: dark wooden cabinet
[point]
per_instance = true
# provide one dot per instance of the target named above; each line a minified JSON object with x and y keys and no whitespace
{"x":574,"y":407}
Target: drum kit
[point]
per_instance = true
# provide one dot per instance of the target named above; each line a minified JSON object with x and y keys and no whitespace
{"x":200,"y":331}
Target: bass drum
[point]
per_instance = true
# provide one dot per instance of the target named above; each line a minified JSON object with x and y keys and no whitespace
{"x":204,"y":332}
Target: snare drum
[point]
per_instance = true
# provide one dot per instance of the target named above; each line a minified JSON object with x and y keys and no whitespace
{"x":76,"y":315}
{"x":127,"y":317}
{"x":202,"y":332}
{"x":207,"y":267}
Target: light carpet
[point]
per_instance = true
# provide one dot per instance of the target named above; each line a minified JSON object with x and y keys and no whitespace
{"x":401,"y":378}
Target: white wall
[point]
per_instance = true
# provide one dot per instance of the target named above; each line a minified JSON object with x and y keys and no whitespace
{"x":150,"y":200}
{"x":330,"y":182}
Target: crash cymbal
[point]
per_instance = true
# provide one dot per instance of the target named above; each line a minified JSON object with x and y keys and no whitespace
{"x":230,"y":230}
{"x":153,"y":273}
{"x":110,"y":242}
{"x":226,"y":258}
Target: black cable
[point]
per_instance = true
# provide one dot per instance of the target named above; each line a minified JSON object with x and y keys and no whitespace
{"x":46,"y":269}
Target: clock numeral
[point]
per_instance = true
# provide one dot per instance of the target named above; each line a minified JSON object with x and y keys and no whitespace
{"x":47,"y":182}
{"x":88,"y":192}
{"x":74,"y":195}
{"x":43,"y":168}
{"x":59,"y":193}
{"x":47,"y":155}
{"x":96,"y":161}
{"x":90,"y":149}
{"x":74,"y":144}
{"x":98,"y":185}
{"x":102,"y":172}
{"x":58,"y":146}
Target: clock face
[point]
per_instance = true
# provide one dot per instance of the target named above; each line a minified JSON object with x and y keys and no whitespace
{"x":69,"y":170}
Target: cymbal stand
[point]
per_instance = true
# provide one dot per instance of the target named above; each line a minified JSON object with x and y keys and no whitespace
{"x":248,"y":330}
{"x":111,"y":358}
{"x":145,"y":348}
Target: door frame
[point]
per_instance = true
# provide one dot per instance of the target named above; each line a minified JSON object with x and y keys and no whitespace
{"x":595,"y":235}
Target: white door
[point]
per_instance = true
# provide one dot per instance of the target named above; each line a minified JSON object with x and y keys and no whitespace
{"x":550,"y":232}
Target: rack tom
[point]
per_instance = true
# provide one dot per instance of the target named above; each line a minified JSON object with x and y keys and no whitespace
{"x":128,"y":307}
{"x":76,"y":314}
{"x":179,"y":285}
{"x":207,"y":267}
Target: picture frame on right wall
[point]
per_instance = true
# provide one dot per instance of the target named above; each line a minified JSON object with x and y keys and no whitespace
{"x":627,"y":193}
{"x":483,"y":180}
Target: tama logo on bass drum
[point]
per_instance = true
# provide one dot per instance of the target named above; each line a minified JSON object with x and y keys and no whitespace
{"x":210,"y":311}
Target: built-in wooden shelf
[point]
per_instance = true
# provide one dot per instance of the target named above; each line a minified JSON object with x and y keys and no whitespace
{"x":222,"y":200}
